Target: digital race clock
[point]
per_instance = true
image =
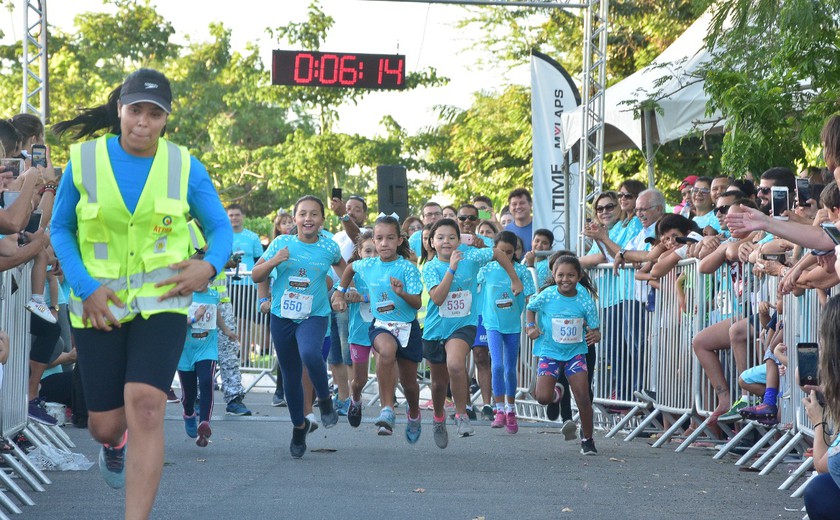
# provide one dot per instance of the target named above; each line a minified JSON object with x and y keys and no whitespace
{"x":338,"y":69}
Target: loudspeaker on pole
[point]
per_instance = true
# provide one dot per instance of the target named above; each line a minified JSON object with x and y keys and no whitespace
{"x":392,"y":190}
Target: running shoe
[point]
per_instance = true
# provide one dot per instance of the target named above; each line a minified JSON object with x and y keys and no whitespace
{"x":428,"y":405}
{"x":465,"y":429}
{"x":39,"y":309}
{"x":236,"y":407}
{"x":341,"y":406}
{"x":171,"y":397}
{"x":512,"y":425}
{"x":277,"y":400}
{"x":385,"y":422}
{"x":487,"y":412}
{"x":760,"y":412}
{"x":38,"y":413}
{"x":298,"y":445}
{"x":328,"y":416}
{"x":449,"y":405}
{"x":500,"y":421}
{"x":412,"y":430}
{"x":552,"y":409}
{"x":204,"y":433}
{"x":313,"y":422}
{"x":191,"y":425}
{"x":470,"y":414}
{"x":569,"y":430}
{"x":112,"y":465}
{"x":440,"y":433}
{"x":734,"y":413}
{"x":354,"y":414}
{"x":587,"y":447}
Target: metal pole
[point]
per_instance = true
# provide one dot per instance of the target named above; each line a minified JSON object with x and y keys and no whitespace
{"x":648,"y":114}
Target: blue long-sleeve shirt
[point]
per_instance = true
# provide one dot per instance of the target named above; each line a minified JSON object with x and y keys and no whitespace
{"x":131,"y":173}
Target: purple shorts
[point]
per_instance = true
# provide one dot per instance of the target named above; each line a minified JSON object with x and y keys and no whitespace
{"x":359,"y":353}
{"x":551,"y":367}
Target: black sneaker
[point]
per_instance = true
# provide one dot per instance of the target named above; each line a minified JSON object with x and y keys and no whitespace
{"x":354,"y":414}
{"x":298,"y":445}
{"x":329,"y":417}
{"x":552,"y":409}
{"x":470,"y":414}
{"x":171,"y":397}
{"x":487,"y":412}
{"x":587,"y":447}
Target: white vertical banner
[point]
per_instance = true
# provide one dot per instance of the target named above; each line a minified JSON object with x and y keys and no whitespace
{"x":555,"y":193}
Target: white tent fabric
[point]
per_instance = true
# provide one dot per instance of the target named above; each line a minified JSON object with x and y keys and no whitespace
{"x":672,"y":82}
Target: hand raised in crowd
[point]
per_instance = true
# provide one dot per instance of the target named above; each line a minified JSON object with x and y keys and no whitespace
{"x":454,"y":258}
{"x":338,"y":207}
{"x":478,"y":242}
{"x":595,"y":231}
{"x":821,"y":216}
{"x":746,"y":220}
{"x":96,"y":312}
{"x":745,"y":250}
{"x":193,"y":276}
{"x":812,"y":405}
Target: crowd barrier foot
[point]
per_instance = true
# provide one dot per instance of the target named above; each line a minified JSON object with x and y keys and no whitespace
{"x":63,"y":437}
{"x":263,"y":373}
{"x":789,"y":447}
{"x":640,"y":409}
{"x":746,"y":457}
{"x":807,"y":465}
{"x":735,"y":441}
{"x":50,"y":435}
{"x":801,"y":489}
{"x":772,"y":450}
{"x":16,"y":467}
{"x":650,"y":419}
{"x":35,"y":470}
{"x":8,"y":504}
{"x":16,"y":490}
{"x":672,"y":430}
{"x":703,"y":428}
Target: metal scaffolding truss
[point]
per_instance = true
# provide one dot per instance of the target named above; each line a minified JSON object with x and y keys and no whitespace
{"x":35,"y":84}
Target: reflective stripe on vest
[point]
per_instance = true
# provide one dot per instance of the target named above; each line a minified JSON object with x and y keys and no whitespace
{"x":130,"y":253}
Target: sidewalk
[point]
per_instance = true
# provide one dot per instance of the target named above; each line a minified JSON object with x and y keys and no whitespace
{"x":352,"y":473}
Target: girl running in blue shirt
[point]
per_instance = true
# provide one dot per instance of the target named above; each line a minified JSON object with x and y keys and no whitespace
{"x":394,"y":288}
{"x":563,"y":323}
{"x":502,"y":312}
{"x":300,"y":311}
{"x":452,"y":280}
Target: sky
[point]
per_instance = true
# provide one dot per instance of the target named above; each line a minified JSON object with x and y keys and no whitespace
{"x":424,"y":33}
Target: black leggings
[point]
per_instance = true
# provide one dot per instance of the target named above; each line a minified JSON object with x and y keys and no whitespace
{"x":200,"y":378}
{"x":566,"y":402}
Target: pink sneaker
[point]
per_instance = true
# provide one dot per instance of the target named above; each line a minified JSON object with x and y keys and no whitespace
{"x":512,"y":425}
{"x":428,"y":405}
{"x":500,"y":420}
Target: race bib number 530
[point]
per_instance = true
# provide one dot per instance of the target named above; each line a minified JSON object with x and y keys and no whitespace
{"x":567,"y":330}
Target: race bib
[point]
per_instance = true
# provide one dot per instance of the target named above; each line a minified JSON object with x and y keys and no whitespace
{"x":400,"y":330}
{"x":504,"y":303}
{"x":364,"y":312}
{"x":207,"y":319}
{"x":295,"y":306}
{"x":456,"y":305}
{"x":567,"y":330}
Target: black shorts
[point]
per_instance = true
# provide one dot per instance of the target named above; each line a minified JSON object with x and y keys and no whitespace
{"x":45,"y":336}
{"x":140,"y":351}
{"x":413,"y":351}
{"x":434,"y":350}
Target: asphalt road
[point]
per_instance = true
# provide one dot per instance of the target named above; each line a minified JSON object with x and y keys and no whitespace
{"x":247,"y":473}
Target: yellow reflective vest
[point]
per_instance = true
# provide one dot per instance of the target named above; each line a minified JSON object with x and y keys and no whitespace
{"x":130,"y":253}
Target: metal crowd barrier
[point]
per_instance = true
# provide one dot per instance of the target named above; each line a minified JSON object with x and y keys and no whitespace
{"x":15,"y":291}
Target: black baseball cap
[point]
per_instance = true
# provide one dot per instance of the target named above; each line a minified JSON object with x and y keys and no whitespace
{"x":147,"y":86}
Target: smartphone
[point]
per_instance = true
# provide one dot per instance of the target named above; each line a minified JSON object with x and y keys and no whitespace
{"x":467,"y":239}
{"x":803,"y":192}
{"x":9,"y":198}
{"x":484,"y":215}
{"x":336,"y":193}
{"x":39,"y":155}
{"x":807,"y":360}
{"x":779,"y":202}
{"x":13,"y":165}
{"x":34,"y":221}
{"x":829,"y":227}
{"x":774,"y":257}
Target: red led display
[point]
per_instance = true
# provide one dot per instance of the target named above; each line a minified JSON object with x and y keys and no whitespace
{"x":338,"y":69}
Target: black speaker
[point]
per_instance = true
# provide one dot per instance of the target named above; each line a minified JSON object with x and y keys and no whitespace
{"x":392,"y":190}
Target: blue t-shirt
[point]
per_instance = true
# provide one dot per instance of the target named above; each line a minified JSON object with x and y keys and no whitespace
{"x":709,"y":219}
{"x":543,"y":274}
{"x":551,"y":305}
{"x":248,"y":242}
{"x":131,"y":173}
{"x":416,"y":241}
{"x":466,"y":279}
{"x":304,"y":273}
{"x":501,"y":310}
{"x":360,"y":315}
{"x":384,"y":304}
{"x":525,"y":233}
{"x":610,"y":288}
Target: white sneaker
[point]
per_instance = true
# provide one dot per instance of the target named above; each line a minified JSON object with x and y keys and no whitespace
{"x":39,"y":309}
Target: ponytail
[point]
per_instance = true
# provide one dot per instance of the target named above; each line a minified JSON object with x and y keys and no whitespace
{"x":92,"y":120}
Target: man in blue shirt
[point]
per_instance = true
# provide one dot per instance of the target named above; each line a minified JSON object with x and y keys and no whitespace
{"x":247,"y":248}
{"x":522,"y":226}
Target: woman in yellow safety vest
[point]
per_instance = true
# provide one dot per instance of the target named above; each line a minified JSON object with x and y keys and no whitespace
{"x":120,"y":230}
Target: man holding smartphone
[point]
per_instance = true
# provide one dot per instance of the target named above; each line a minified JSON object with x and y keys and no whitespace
{"x":485,"y":208}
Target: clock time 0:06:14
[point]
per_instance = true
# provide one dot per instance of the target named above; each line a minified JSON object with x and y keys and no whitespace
{"x":338,"y":69}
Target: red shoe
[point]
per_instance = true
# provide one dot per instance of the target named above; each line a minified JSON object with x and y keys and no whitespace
{"x":512,"y":426}
{"x":500,"y":420}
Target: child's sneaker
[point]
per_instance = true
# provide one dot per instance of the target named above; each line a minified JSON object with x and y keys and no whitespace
{"x":385,"y":422}
{"x":465,"y":429}
{"x":500,"y":420}
{"x":39,"y":309}
{"x":341,"y":405}
{"x":569,"y":430}
{"x":204,"y":433}
{"x":354,"y":414}
{"x":552,"y":409}
{"x":440,"y":433}
{"x":760,"y":412}
{"x":587,"y":447}
{"x":512,"y":425}
{"x":412,"y":429}
{"x":191,"y":425}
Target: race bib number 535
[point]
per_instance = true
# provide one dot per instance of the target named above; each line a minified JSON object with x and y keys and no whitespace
{"x":456,"y":305}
